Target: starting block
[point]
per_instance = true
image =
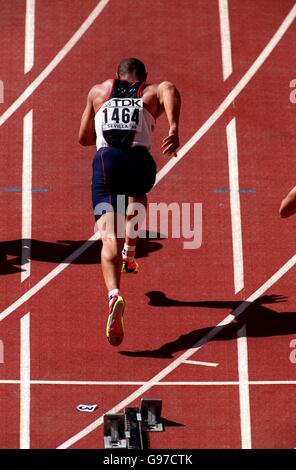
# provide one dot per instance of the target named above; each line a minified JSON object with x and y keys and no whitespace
{"x":123,"y":431}
{"x":133,"y":428}
{"x":114,"y":431}
{"x":151,"y":414}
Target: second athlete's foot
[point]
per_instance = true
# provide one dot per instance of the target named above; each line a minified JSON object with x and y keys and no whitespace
{"x":114,"y":327}
{"x":129,"y":266}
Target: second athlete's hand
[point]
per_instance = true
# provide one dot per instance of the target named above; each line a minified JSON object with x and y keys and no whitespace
{"x":170,"y":144}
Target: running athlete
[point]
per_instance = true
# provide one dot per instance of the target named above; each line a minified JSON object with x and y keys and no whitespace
{"x":119,"y":119}
{"x":288,"y":204}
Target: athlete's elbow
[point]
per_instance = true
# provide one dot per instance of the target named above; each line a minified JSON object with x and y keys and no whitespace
{"x":285,"y":212}
{"x":86,"y":138}
{"x":286,"y":209}
{"x":82,"y":141}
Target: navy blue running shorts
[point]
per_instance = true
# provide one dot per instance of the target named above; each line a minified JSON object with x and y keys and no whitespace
{"x":127,"y":172}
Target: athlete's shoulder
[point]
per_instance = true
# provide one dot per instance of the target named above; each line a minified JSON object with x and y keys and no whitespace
{"x":100,"y":93}
{"x":101,"y":88}
{"x":158,"y":88}
{"x":165,"y":85}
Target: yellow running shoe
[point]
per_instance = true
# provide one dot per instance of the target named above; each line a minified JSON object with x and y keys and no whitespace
{"x":129,"y":266}
{"x":114,"y":327}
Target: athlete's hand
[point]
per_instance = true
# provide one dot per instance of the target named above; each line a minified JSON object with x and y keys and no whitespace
{"x":170,"y":144}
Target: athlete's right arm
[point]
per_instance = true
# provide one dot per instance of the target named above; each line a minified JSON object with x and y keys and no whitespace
{"x":288,"y":205}
{"x":96,"y":97}
{"x":87,"y":133}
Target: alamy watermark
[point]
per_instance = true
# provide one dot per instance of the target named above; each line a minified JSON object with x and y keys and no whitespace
{"x":293,"y":92}
{"x":1,"y":352}
{"x":1,"y":91}
{"x":173,"y":220}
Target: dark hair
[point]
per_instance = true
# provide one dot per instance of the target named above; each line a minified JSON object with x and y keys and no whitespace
{"x":132,"y":66}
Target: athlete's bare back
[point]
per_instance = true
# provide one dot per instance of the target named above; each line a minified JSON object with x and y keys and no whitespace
{"x":157,"y":98}
{"x":149,"y":95}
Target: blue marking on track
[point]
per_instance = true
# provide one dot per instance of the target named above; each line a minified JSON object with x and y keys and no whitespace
{"x":19,"y":190}
{"x":218,"y":190}
{"x":221,"y":190}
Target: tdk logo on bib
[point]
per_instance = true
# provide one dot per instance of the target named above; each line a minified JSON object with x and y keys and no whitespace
{"x":123,"y":114}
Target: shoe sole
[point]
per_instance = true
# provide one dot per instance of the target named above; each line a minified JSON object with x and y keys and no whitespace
{"x":115,"y":322}
{"x":131,"y":271}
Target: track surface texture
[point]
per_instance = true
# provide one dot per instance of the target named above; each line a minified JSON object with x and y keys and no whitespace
{"x":210,"y":330}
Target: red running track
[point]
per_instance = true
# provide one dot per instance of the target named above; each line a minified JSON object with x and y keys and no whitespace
{"x":179,"y":295}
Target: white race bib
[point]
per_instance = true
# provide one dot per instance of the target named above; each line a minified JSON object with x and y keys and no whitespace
{"x":122,"y":114}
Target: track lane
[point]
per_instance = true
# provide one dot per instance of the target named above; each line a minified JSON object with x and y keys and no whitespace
{"x":222,"y":247}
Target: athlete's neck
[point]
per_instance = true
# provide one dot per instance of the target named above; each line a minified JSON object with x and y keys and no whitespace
{"x":129,"y":78}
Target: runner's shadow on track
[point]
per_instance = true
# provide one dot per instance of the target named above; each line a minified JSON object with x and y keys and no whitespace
{"x":260,"y":321}
{"x":58,"y":252}
{"x":169,"y":423}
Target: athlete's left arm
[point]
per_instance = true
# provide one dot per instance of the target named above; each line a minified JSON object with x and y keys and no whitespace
{"x":288,"y":205}
{"x":87,"y":133}
{"x":170,"y":100}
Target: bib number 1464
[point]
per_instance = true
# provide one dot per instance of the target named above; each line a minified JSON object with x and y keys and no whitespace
{"x":123,"y":114}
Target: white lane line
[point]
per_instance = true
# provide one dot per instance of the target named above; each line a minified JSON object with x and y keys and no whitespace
{"x":7,"y":381}
{"x":55,"y":62}
{"x":238,"y":274}
{"x":272,"y":382}
{"x":171,"y":163}
{"x":225,"y":39}
{"x":244,"y":395}
{"x":201,"y":363}
{"x":183,"y":357}
{"x":163,"y":383}
{"x":49,"y":277}
{"x":1,"y":91}
{"x":29,"y":35}
{"x":1,"y":352}
{"x":232,"y":95}
{"x":25,"y":383}
{"x":236,"y":227}
{"x":125,"y":383}
{"x":27,"y":195}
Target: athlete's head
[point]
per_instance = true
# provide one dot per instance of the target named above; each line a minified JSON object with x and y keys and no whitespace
{"x":131,"y":68}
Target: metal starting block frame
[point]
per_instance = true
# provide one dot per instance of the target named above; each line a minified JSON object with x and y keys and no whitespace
{"x":114,"y":431}
{"x":151,"y":414}
{"x":133,"y":428}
